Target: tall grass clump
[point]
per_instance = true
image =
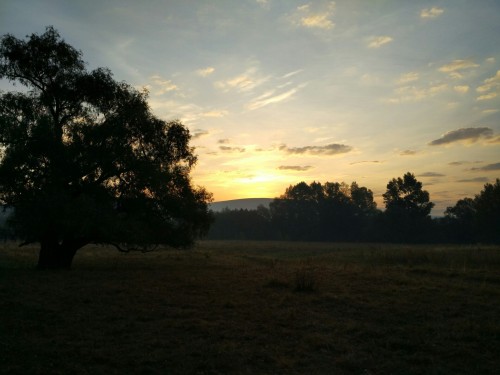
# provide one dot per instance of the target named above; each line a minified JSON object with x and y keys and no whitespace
{"x":306,"y":278}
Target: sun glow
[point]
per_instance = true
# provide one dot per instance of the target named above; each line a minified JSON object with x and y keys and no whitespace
{"x":259,"y":184}
{"x":259,"y":177}
{"x":251,"y":184}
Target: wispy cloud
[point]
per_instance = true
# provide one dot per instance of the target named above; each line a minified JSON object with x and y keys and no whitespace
{"x":488,"y":167}
{"x":198,"y":133}
{"x":205,"y":72}
{"x":431,"y":174}
{"x":317,"y":18}
{"x":297,"y":168}
{"x":246,"y":81}
{"x":162,"y":86}
{"x":366,"y":162}
{"x":291,"y":74}
{"x":413,"y":93}
{"x":321,"y":21}
{"x":453,"y":68}
{"x":464,"y":134}
{"x":331,"y":149}
{"x":431,"y":13}
{"x":378,"y":41}
{"x":231,"y":149}
{"x":215,"y":113}
{"x":494,"y":140}
{"x":488,"y":96}
{"x":270,"y":97}
{"x":407,"y":78}
{"x":462,"y":89}
{"x":459,"y":163}
{"x":489,"y":84}
{"x":475,"y":179}
{"x":407,"y":152}
{"x":490,"y":111}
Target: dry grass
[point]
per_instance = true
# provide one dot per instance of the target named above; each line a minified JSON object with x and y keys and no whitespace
{"x":233,"y":307}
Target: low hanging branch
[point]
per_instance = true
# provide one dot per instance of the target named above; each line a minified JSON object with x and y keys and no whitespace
{"x":142,"y":249}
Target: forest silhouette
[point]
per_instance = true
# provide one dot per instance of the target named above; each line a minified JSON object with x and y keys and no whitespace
{"x":347,"y":213}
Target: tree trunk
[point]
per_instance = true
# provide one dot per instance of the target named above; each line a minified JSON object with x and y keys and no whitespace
{"x":55,"y":255}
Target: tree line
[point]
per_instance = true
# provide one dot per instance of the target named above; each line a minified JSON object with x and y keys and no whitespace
{"x":347,"y":213}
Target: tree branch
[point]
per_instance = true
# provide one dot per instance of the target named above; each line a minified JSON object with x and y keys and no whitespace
{"x":142,"y":249}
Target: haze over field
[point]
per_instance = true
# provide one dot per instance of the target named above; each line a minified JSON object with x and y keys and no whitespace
{"x":279,"y":91}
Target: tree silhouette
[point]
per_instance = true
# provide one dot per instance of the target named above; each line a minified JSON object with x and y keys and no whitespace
{"x":332,"y":211}
{"x":242,"y":224}
{"x":407,"y":209}
{"x":362,"y":198}
{"x":460,"y":220}
{"x":295,"y":212}
{"x":83,"y":159}
{"x":487,"y":205}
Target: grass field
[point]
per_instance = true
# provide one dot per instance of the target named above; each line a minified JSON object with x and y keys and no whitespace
{"x":254,"y":308}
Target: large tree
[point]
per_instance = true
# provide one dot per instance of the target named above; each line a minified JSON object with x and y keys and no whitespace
{"x":407,"y":209}
{"x":83,"y":159}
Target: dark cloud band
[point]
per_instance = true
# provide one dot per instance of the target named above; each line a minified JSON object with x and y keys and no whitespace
{"x":431,"y":174}
{"x":331,"y":149}
{"x":463,"y":134}
{"x":298,"y":168}
{"x":488,"y":167}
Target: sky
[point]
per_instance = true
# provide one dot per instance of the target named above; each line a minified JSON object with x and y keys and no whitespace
{"x":276,"y":92}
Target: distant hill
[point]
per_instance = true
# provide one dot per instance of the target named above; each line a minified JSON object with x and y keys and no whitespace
{"x":241,"y":204}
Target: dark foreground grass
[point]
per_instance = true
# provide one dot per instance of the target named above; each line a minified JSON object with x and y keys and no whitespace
{"x":242,"y":308}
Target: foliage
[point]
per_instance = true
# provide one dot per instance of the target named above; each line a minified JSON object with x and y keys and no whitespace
{"x":459,"y":221}
{"x":405,"y":197}
{"x":242,"y":225}
{"x":477,"y":219}
{"x":487,"y":205}
{"x":85,"y":161}
{"x":342,"y":212}
{"x":330,"y":211}
{"x":407,"y":210}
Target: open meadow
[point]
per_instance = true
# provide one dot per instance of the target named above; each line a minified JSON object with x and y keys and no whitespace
{"x":254,"y":308}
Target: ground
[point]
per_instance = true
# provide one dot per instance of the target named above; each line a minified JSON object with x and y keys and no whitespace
{"x":254,"y":308}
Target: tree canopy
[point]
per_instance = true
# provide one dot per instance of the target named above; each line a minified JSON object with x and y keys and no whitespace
{"x":487,"y":206}
{"x":407,"y":210}
{"x":84,"y":160}
{"x":329,"y":211}
{"x":405,"y":197}
{"x":340,"y":212}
